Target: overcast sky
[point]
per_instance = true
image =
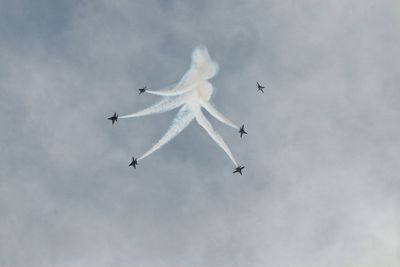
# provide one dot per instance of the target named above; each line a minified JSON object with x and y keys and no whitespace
{"x":321,"y":185}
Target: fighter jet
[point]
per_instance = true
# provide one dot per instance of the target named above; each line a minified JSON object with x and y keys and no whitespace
{"x":260,"y":87}
{"x":114,"y":118}
{"x":239,"y":169}
{"x":133,"y":163}
{"x":242,"y":131}
{"x":142,"y":90}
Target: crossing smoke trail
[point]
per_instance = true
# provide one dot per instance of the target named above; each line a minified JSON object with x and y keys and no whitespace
{"x":193,"y":92}
{"x":182,"y":119}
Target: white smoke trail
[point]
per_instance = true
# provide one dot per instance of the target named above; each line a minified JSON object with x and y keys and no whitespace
{"x":172,"y":92}
{"x":182,"y":119}
{"x":218,"y":115}
{"x":164,"y":105}
{"x":202,"y":120}
{"x":202,"y":67}
{"x":193,"y":91}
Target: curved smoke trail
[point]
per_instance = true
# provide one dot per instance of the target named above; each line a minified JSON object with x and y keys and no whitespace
{"x":193,"y":92}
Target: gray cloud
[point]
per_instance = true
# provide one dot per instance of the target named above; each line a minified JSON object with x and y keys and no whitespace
{"x":321,"y":185}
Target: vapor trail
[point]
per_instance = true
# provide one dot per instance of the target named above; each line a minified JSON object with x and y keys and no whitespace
{"x":182,"y":119}
{"x":166,"y":104}
{"x":171,"y":92}
{"x":214,"y":134}
{"x":218,"y":115}
{"x":192,"y":92}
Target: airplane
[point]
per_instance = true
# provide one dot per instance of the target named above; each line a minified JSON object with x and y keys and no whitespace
{"x":142,"y":90}
{"x":114,"y":118}
{"x":260,"y":87}
{"x":239,"y":169}
{"x":242,"y":131}
{"x":133,"y":163}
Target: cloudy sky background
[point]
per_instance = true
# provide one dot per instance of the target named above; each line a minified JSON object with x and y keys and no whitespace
{"x":321,"y":185}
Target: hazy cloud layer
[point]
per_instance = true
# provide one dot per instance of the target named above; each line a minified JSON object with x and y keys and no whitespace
{"x":321,"y":185}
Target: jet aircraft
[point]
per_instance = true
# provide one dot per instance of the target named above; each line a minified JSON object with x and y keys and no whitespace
{"x":239,"y":169}
{"x":142,"y":90}
{"x":260,"y":87}
{"x":133,"y":163}
{"x":114,"y":118}
{"x":242,"y":131}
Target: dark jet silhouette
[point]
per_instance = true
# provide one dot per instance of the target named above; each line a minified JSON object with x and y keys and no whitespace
{"x":133,"y":163}
{"x":239,"y":169}
{"x":142,"y":90}
{"x":260,"y":87}
{"x":114,"y":118}
{"x":242,"y":131}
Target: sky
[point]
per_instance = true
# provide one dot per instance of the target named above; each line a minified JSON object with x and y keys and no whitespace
{"x":321,"y":185}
